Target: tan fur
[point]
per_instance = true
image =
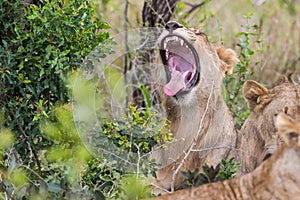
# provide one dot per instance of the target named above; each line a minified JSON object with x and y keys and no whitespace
{"x":277,"y":178}
{"x":259,"y":135}
{"x":185,"y":113}
{"x":228,"y":59}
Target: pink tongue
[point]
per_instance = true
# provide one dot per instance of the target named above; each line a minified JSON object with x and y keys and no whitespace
{"x":176,"y":83}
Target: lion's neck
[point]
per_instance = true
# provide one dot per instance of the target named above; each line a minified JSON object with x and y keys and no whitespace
{"x":204,"y":113}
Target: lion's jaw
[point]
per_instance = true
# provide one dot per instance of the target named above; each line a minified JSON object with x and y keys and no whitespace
{"x":188,"y":59}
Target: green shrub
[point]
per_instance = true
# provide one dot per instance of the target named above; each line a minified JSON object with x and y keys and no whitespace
{"x":134,"y":136}
{"x":41,"y":45}
{"x":224,"y":171}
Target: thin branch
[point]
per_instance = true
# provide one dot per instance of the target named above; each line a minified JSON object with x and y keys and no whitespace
{"x":169,"y":7}
{"x":193,"y":7}
{"x":201,"y":126}
{"x":33,"y":172}
{"x":161,"y":188}
{"x":139,"y":160}
{"x":29,"y":145}
{"x":127,"y":55}
{"x":108,"y":152}
{"x":223,"y":147}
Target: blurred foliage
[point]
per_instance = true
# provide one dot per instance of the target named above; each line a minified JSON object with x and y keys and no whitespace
{"x":290,"y":5}
{"x":61,"y":164}
{"x":38,"y":51}
{"x":134,"y":136}
{"x":68,"y":169}
{"x":224,"y":171}
{"x":42,"y":43}
{"x":101,"y":177}
{"x":134,"y":188}
{"x":139,"y":131}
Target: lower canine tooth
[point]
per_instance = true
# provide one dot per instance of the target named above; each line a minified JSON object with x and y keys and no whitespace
{"x":181,"y":42}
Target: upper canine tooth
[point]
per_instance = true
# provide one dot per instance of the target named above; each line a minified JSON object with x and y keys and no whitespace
{"x":181,"y":42}
{"x":165,"y":45}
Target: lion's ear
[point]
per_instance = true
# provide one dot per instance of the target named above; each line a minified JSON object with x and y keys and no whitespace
{"x":228,"y":59}
{"x":253,"y":93}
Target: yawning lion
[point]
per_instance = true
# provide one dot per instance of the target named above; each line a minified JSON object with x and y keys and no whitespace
{"x":189,"y":82}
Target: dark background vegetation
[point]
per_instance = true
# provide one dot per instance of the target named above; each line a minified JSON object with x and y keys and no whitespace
{"x":43,"y":44}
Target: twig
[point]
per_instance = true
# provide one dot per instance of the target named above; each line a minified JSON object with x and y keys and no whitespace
{"x":163,"y":189}
{"x":33,"y":172}
{"x":222,"y":147}
{"x":29,"y":145}
{"x":127,"y":55}
{"x":108,"y":152}
{"x":193,"y":7}
{"x":169,"y":7}
{"x":195,"y":139}
{"x":139,"y":159}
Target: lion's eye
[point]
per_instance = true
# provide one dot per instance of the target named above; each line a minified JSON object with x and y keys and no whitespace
{"x":293,"y":135}
{"x":267,"y":156}
{"x":176,"y":26}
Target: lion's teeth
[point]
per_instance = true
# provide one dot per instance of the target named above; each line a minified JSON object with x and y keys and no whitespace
{"x":165,"y":45}
{"x":181,"y":42}
{"x":167,"y":54}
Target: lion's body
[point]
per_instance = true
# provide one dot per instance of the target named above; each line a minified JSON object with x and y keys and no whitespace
{"x":277,"y":178}
{"x":200,"y":119}
{"x":259,"y":135}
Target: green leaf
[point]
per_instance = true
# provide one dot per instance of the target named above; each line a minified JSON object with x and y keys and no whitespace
{"x":53,"y":187}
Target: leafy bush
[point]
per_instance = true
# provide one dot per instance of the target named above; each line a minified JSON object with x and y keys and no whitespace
{"x":224,"y":171}
{"x":139,"y":130}
{"x":61,"y":164}
{"x":42,"y":43}
{"x":134,"y":135}
{"x":38,"y":51}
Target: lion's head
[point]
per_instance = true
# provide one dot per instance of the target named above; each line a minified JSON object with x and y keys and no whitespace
{"x":259,"y":134}
{"x":189,"y":57}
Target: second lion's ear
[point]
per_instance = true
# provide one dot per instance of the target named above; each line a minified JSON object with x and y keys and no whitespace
{"x":228,"y":59}
{"x":253,"y":93}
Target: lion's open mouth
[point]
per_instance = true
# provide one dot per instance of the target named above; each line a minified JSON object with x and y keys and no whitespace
{"x":181,"y":64}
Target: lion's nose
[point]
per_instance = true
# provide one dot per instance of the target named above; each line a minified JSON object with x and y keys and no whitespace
{"x":171,"y":26}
